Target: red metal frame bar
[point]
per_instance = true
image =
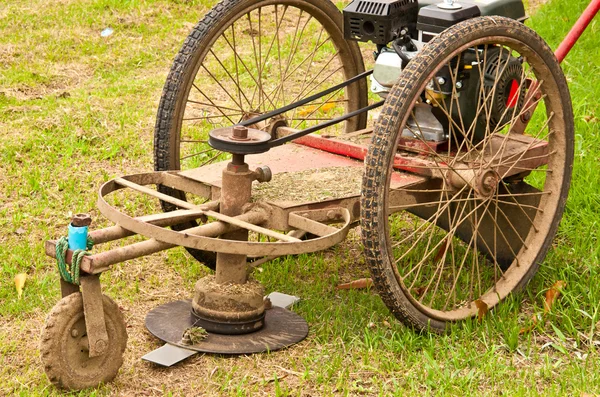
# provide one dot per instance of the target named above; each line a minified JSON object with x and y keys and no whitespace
{"x":577,"y":30}
{"x":415,"y":164}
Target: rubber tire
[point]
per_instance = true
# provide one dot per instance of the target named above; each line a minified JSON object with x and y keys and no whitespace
{"x":383,"y":147}
{"x":56,"y":335}
{"x":185,"y":67}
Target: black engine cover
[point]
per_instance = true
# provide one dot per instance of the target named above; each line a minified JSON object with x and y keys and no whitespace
{"x":433,"y":20}
{"x":379,"y":21}
{"x":502,"y":90}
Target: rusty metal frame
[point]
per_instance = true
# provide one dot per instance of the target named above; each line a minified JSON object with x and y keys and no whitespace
{"x":204,"y":237}
{"x":261,"y":218}
{"x":201,"y":238}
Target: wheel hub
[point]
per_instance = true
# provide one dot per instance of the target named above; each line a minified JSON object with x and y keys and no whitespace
{"x":483,"y":182}
{"x":486,"y":183}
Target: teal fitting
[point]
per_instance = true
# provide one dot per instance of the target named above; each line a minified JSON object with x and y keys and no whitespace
{"x":78,"y":232}
{"x":77,"y":237}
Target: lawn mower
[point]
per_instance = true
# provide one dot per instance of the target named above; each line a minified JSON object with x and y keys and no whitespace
{"x":452,"y":153}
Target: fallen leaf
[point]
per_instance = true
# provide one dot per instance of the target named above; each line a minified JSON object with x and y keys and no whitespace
{"x":357,"y":284}
{"x":20,"y":283}
{"x":20,"y":231}
{"x":306,"y":111}
{"x":313,"y":108}
{"x":482,"y":308}
{"x":441,"y":251}
{"x":552,"y":295}
{"x":327,"y":106}
{"x":419,"y":291}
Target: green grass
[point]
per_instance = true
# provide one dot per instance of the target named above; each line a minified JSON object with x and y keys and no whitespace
{"x":77,"y":109}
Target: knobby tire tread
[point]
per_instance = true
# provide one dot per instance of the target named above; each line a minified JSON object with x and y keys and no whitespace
{"x":383,"y":147}
{"x":50,"y":342}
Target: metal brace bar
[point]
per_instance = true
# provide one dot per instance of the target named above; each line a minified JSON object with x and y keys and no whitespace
{"x":216,"y":215}
{"x":93,"y":311}
{"x":304,"y":223}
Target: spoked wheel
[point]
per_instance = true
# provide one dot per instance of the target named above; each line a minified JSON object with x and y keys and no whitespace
{"x":246,"y":58}
{"x":478,"y":227}
{"x":64,"y":345}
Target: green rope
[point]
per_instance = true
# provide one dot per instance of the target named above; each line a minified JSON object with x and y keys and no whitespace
{"x":70,"y":275}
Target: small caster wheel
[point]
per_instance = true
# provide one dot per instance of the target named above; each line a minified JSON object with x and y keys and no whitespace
{"x":64,"y":345}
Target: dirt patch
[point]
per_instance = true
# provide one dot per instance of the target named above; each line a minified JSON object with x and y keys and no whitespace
{"x":62,"y":79}
{"x":311,"y":185}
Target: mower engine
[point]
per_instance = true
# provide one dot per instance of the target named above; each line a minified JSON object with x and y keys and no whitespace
{"x":400,"y":29}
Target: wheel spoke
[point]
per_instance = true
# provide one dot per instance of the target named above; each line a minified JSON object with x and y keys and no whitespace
{"x":218,"y":108}
{"x":211,"y":105}
{"x":250,"y":74}
{"x":197,"y":154}
{"x":213,"y":117}
{"x":235,"y":81}
{"x":237,"y":71}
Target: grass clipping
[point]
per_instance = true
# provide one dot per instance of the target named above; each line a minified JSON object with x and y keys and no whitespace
{"x":311,"y":185}
{"x":193,"y":336}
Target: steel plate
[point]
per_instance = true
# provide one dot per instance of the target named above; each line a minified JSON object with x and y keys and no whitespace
{"x":282,"y":328}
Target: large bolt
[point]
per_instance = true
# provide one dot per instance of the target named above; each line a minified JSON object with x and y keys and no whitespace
{"x":81,"y":220}
{"x":240,"y":133}
{"x":440,"y":80}
{"x":101,"y":346}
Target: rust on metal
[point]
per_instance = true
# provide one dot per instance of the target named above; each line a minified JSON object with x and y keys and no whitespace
{"x":229,"y":308}
{"x":314,"y":221}
{"x":420,"y":146}
{"x":112,"y":233}
{"x":240,"y":135}
{"x":258,"y":218}
{"x":247,"y":179}
{"x":189,"y":238}
{"x":235,"y":193}
{"x":101,"y":262}
{"x":415,"y":164}
{"x":228,"y":302}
